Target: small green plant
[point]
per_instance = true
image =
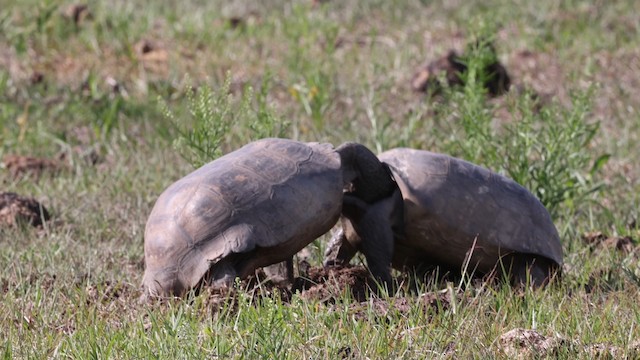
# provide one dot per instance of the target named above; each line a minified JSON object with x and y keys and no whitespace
{"x":216,"y":118}
{"x":211,"y":122}
{"x":545,"y":147}
{"x":104,"y":106}
{"x":266,"y":123}
{"x":379,"y":127}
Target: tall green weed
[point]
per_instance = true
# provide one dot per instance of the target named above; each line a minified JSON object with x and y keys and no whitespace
{"x":216,"y":119}
{"x":545,"y":147}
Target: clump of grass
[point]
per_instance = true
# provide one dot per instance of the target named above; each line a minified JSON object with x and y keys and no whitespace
{"x":545,"y":147}
{"x":313,"y":94}
{"x":215,"y":118}
{"x":105,"y":107}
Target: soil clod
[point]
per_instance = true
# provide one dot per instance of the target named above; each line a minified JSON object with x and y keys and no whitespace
{"x":327,"y":284}
{"x":525,"y":343}
{"x":599,"y":241}
{"x":453,"y":66}
{"x":16,"y":210}
{"x":20,"y":166}
{"x":78,"y":13}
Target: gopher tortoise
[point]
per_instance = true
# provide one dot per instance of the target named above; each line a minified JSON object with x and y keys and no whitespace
{"x":452,"y":213}
{"x":254,"y":207}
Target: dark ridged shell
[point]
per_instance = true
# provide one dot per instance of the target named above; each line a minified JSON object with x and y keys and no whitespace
{"x":449,"y":203}
{"x":267,"y":193}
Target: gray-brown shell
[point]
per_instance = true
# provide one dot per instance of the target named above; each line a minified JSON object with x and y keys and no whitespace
{"x":450,"y":203}
{"x":270,"y":198}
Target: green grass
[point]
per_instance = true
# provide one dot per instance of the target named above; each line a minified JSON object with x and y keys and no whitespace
{"x":337,"y":71}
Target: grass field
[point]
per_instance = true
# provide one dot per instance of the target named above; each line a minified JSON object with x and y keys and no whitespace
{"x":106,"y":92}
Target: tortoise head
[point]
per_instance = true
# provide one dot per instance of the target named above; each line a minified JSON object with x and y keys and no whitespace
{"x":367,"y":177}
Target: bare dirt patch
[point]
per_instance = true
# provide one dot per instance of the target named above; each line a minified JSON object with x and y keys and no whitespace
{"x":153,"y":54}
{"x":618,"y":76}
{"x":541,"y":73}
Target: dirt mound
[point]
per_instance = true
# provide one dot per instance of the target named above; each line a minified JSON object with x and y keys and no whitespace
{"x":526,"y":344}
{"x":16,"y":210}
{"x":153,"y":54}
{"x":327,"y":284}
{"x":20,"y":166}
{"x":77,"y":13}
{"x":453,"y":66}
{"x":331,"y":286}
{"x":318,"y":283}
{"x":599,"y":241}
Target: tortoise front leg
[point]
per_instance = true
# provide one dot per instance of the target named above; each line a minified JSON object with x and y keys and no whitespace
{"x":371,"y":224}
